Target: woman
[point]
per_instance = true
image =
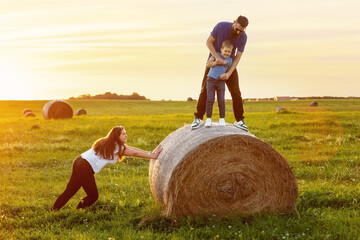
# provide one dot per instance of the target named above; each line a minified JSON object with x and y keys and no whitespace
{"x":105,"y":151}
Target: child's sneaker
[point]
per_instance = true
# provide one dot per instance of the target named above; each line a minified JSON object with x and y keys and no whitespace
{"x":241,"y":124}
{"x":196,"y":123}
{"x":222,"y":122}
{"x":208,"y":122}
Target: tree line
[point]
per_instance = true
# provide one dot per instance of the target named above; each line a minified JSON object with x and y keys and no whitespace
{"x":109,"y":95}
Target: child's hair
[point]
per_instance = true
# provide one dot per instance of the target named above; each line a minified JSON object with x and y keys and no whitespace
{"x":105,"y":146}
{"x":227,"y":43}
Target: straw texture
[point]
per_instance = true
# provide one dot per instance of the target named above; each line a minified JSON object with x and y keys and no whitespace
{"x":222,"y":171}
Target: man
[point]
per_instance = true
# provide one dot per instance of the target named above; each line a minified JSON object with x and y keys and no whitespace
{"x":235,"y":32}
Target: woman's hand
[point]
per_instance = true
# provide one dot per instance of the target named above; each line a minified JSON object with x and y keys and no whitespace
{"x":157,"y":151}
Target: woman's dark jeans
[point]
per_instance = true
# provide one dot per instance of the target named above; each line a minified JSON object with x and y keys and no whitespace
{"x":82,"y":176}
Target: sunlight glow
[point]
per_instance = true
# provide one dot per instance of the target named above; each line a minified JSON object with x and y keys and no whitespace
{"x":15,"y":84}
{"x":51,"y":50}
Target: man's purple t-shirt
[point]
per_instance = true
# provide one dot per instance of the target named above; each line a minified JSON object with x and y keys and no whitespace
{"x":221,"y":32}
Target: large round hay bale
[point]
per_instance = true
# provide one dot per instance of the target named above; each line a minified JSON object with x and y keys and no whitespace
{"x":222,"y":171}
{"x":80,"y":112}
{"x":314,"y":104}
{"x":57,"y":109}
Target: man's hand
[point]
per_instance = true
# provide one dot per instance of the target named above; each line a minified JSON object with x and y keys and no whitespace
{"x":211,"y":62}
{"x":220,"y":61}
{"x":225,"y":76}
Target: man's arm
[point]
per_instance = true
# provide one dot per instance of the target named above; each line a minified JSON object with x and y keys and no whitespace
{"x":225,"y":76}
{"x":210,"y":45}
{"x":211,"y":62}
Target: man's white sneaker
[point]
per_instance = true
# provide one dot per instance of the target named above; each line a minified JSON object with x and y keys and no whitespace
{"x":222,"y":122}
{"x":196,"y":123}
{"x":241,"y":124}
{"x":208,"y":122}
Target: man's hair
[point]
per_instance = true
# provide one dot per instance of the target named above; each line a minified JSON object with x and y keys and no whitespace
{"x":227,"y":43}
{"x":243,"y":21}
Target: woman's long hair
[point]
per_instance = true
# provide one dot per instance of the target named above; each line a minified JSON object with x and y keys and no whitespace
{"x":105,"y":146}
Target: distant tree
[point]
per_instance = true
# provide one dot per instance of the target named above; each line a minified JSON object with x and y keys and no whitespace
{"x":85,"y":96}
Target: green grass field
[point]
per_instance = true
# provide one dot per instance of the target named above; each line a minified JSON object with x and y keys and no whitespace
{"x":321,"y":144}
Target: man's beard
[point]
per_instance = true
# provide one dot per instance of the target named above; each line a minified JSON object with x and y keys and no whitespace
{"x":234,"y":34}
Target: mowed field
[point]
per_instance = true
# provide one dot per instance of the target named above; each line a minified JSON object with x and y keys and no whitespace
{"x":321,"y":144}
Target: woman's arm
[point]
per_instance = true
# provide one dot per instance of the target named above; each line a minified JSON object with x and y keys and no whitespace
{"x":136,"y":152}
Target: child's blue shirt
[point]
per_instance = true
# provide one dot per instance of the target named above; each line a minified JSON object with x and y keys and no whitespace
{"x":216,"y":71}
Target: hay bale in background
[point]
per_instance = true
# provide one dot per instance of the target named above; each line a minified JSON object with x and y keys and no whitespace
{"x":57,"y":109}
{"x":26,"y":110}
{"x":80,"y":112}
{"x":222,"y":171}
{"x":314,"y":104}
{"x":29,"y":114}
{"x":280,"y":109}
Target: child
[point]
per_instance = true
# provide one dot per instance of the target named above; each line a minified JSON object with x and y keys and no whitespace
{"x":214,"y":83}
{"x":104,"y":151}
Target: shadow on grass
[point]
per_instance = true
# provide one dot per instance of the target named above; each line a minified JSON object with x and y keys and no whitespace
{"x":161,"y":223}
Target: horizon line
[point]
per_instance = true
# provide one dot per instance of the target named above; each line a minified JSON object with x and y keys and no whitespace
{"x":195,"y":99}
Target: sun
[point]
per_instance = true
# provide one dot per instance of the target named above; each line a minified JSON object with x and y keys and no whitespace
{"x":15,"y":84}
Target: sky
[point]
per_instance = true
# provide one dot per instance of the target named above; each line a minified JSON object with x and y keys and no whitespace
{"x":52,"y":49}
